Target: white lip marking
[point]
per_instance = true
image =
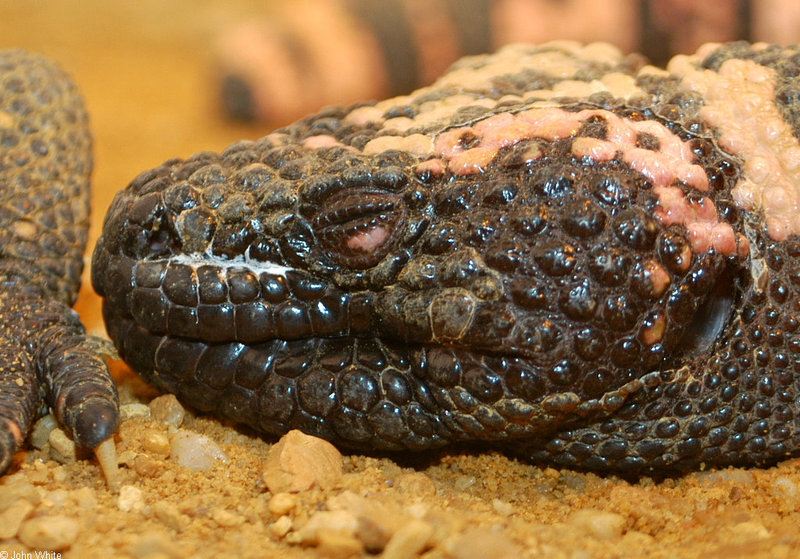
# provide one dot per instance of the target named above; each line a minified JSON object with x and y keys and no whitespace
{"x":244,"y":261}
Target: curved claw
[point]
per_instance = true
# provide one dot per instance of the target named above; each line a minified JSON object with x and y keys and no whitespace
{"x":56,"y":362}
{"x":77,"y":384}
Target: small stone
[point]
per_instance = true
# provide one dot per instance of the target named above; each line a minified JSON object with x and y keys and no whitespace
{"x":195,"y":451}
{"x":281,"y":527}
{"x":85,"y":498}
{"x":600,"y":524}
{"x":737,"y":476}
{"x":155,"y":545}
{"x":464,"y":482}
{"x":155,"y":442}
{"x":15,"y":489}
{"x":298,"y":461}
{"x":225,"y":518}
{"x":341,"y":521}
{"x":478,"y":543}
{"x":634,"y":539}
{"x":574,"y":480}
{"x":502,"y":508}
{"x":40,"y":434}
{"x":50,"y":533}
{"x":168,"y":410}
{"x":415,"y":484}
{"x":784,"y":488}
{"x":127,"y":458}
{"x":55,"y":498}
{"x":11,"y":518}
{"x":129,"y":411}
{"x":282,"y":503}
{"x":59,"y":474}
{"x":338,"y":545}
{"x":372,"y":534}
{"x":146,"y":466}
{"x":169,"y":514}
{"x":40,"y":474}
{"x":751,"y":530}
{"x":130,"y":499}
{"x":408,"y":541}
{"x":62,"y":448}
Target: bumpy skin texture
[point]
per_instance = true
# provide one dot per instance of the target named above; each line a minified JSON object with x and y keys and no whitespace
{"x":45,"y":163}
{"x":553,"y":248}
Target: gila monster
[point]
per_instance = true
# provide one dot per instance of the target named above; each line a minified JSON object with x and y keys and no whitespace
{"x":558,"y":250}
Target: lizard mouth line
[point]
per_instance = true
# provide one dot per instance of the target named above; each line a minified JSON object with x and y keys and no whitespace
{"x":247,"y":301}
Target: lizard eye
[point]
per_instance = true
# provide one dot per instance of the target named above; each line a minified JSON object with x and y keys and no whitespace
{"x":358,"y":228}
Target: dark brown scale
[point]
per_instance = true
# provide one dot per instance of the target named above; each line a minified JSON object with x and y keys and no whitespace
{"x":389,"y":301}
{"x":584,"y":219}
{"x":45,"y":356}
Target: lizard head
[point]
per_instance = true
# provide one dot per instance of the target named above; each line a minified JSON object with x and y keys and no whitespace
{"x":578,"y":237}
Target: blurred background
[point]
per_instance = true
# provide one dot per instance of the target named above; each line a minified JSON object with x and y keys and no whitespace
{"x":165,"y":79}
{"x":144,"y":69}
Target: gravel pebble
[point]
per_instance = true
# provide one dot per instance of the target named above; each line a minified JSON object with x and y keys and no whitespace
{"x":129,"y":411}
{"x":751,"y":530}
{"x":130,"y":499}
{"x":600,"y":524}
{"x":85,"y":498}
{"x":226,"y":518}
{"x":784,"y":488}
{"x":155,"y":442}
{"x":415,"y":484}
{"x":338,"y":545}
{"x":298,"y":461}
{"x":282,"y":503}
{"x":281,"y":527}
{"x":62,"y":448}
{"x":373,"y":535}
{"x":127,"y":458}
{"x":169,"y":514}
{"x":503,"y":508}
{"x":734,"y":475}
{"x":146,"y":466}
{"x":333,"y":521}
{"x":55,"y":498}
{"x":377,"y":522}
{"x":635,"y":539}
{"x":14,"y":490}
{"x":195,"y":451}
{"x":40,"y":434}
{"x":155,"y":545}
{"x":462,"y":483}
{"x":50,"y":533}
{"x":12,"y":517}
{"x":408,"y":541}
{"x":168,"y":410}
{"x":479,"y":543}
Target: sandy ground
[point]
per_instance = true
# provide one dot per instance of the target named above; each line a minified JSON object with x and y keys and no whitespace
{"x":143,"y":67}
